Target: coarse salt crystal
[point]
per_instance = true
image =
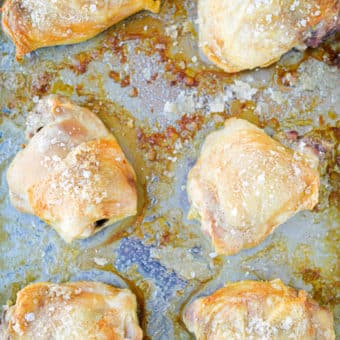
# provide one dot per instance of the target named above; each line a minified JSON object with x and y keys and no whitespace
{"x":29,"y":317}
{"x":56,"y":158}
{"x":242,"y":90}
{"x":170,"y":107}
{"x":261,"y":178}
{"x":100,"y":261}
{"x":217,"y":105}
{"x":86,"y":173}
{"x":303,"y":23}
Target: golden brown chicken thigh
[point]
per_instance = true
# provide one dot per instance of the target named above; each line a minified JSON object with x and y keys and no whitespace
{"x":245,"y":184}
{"x":72,"y":311}
{"x":38,"y":23}
{"x":243,"y":34}
{"x":258,"y":310}
{"x":72,"y":174}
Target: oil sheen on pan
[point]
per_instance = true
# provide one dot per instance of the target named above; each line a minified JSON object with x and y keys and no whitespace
{"x":147,"y":81}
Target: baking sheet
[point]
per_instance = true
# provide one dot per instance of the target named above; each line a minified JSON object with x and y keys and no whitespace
{"x":147,"y":81}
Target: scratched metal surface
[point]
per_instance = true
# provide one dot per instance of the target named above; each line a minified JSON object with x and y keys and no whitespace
{"x":127,"y":75}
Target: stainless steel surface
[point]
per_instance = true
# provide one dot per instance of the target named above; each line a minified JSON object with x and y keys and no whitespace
{"x":142,"y":78}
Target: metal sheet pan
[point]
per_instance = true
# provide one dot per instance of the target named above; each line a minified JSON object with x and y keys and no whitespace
{"x":148,"y":82}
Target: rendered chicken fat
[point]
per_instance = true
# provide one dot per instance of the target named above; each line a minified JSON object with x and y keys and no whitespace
{"x":38,"y":23}
{"x":72,"y":174}
{"x":245,"y":184}
{"x":77,"y":310}
{"x":258,"y":310}
{"x":243,"y":34}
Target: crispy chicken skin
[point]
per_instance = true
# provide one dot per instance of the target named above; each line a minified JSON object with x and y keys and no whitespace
{"x":32,"y":24}
{"x":245,"y":184}
{"x":243,"y":34}
{"x":75,"y":310}
{"x":72,"y":174}
{"x":258,"y":310}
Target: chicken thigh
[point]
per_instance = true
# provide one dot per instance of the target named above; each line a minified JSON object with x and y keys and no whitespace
{"x":75,"y":310}
{"x":72,"y":174}
{"x":258,"y":310}
{"x":39,"y":23}
{"x":243,"y":34}
{"x":245,"y":184}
